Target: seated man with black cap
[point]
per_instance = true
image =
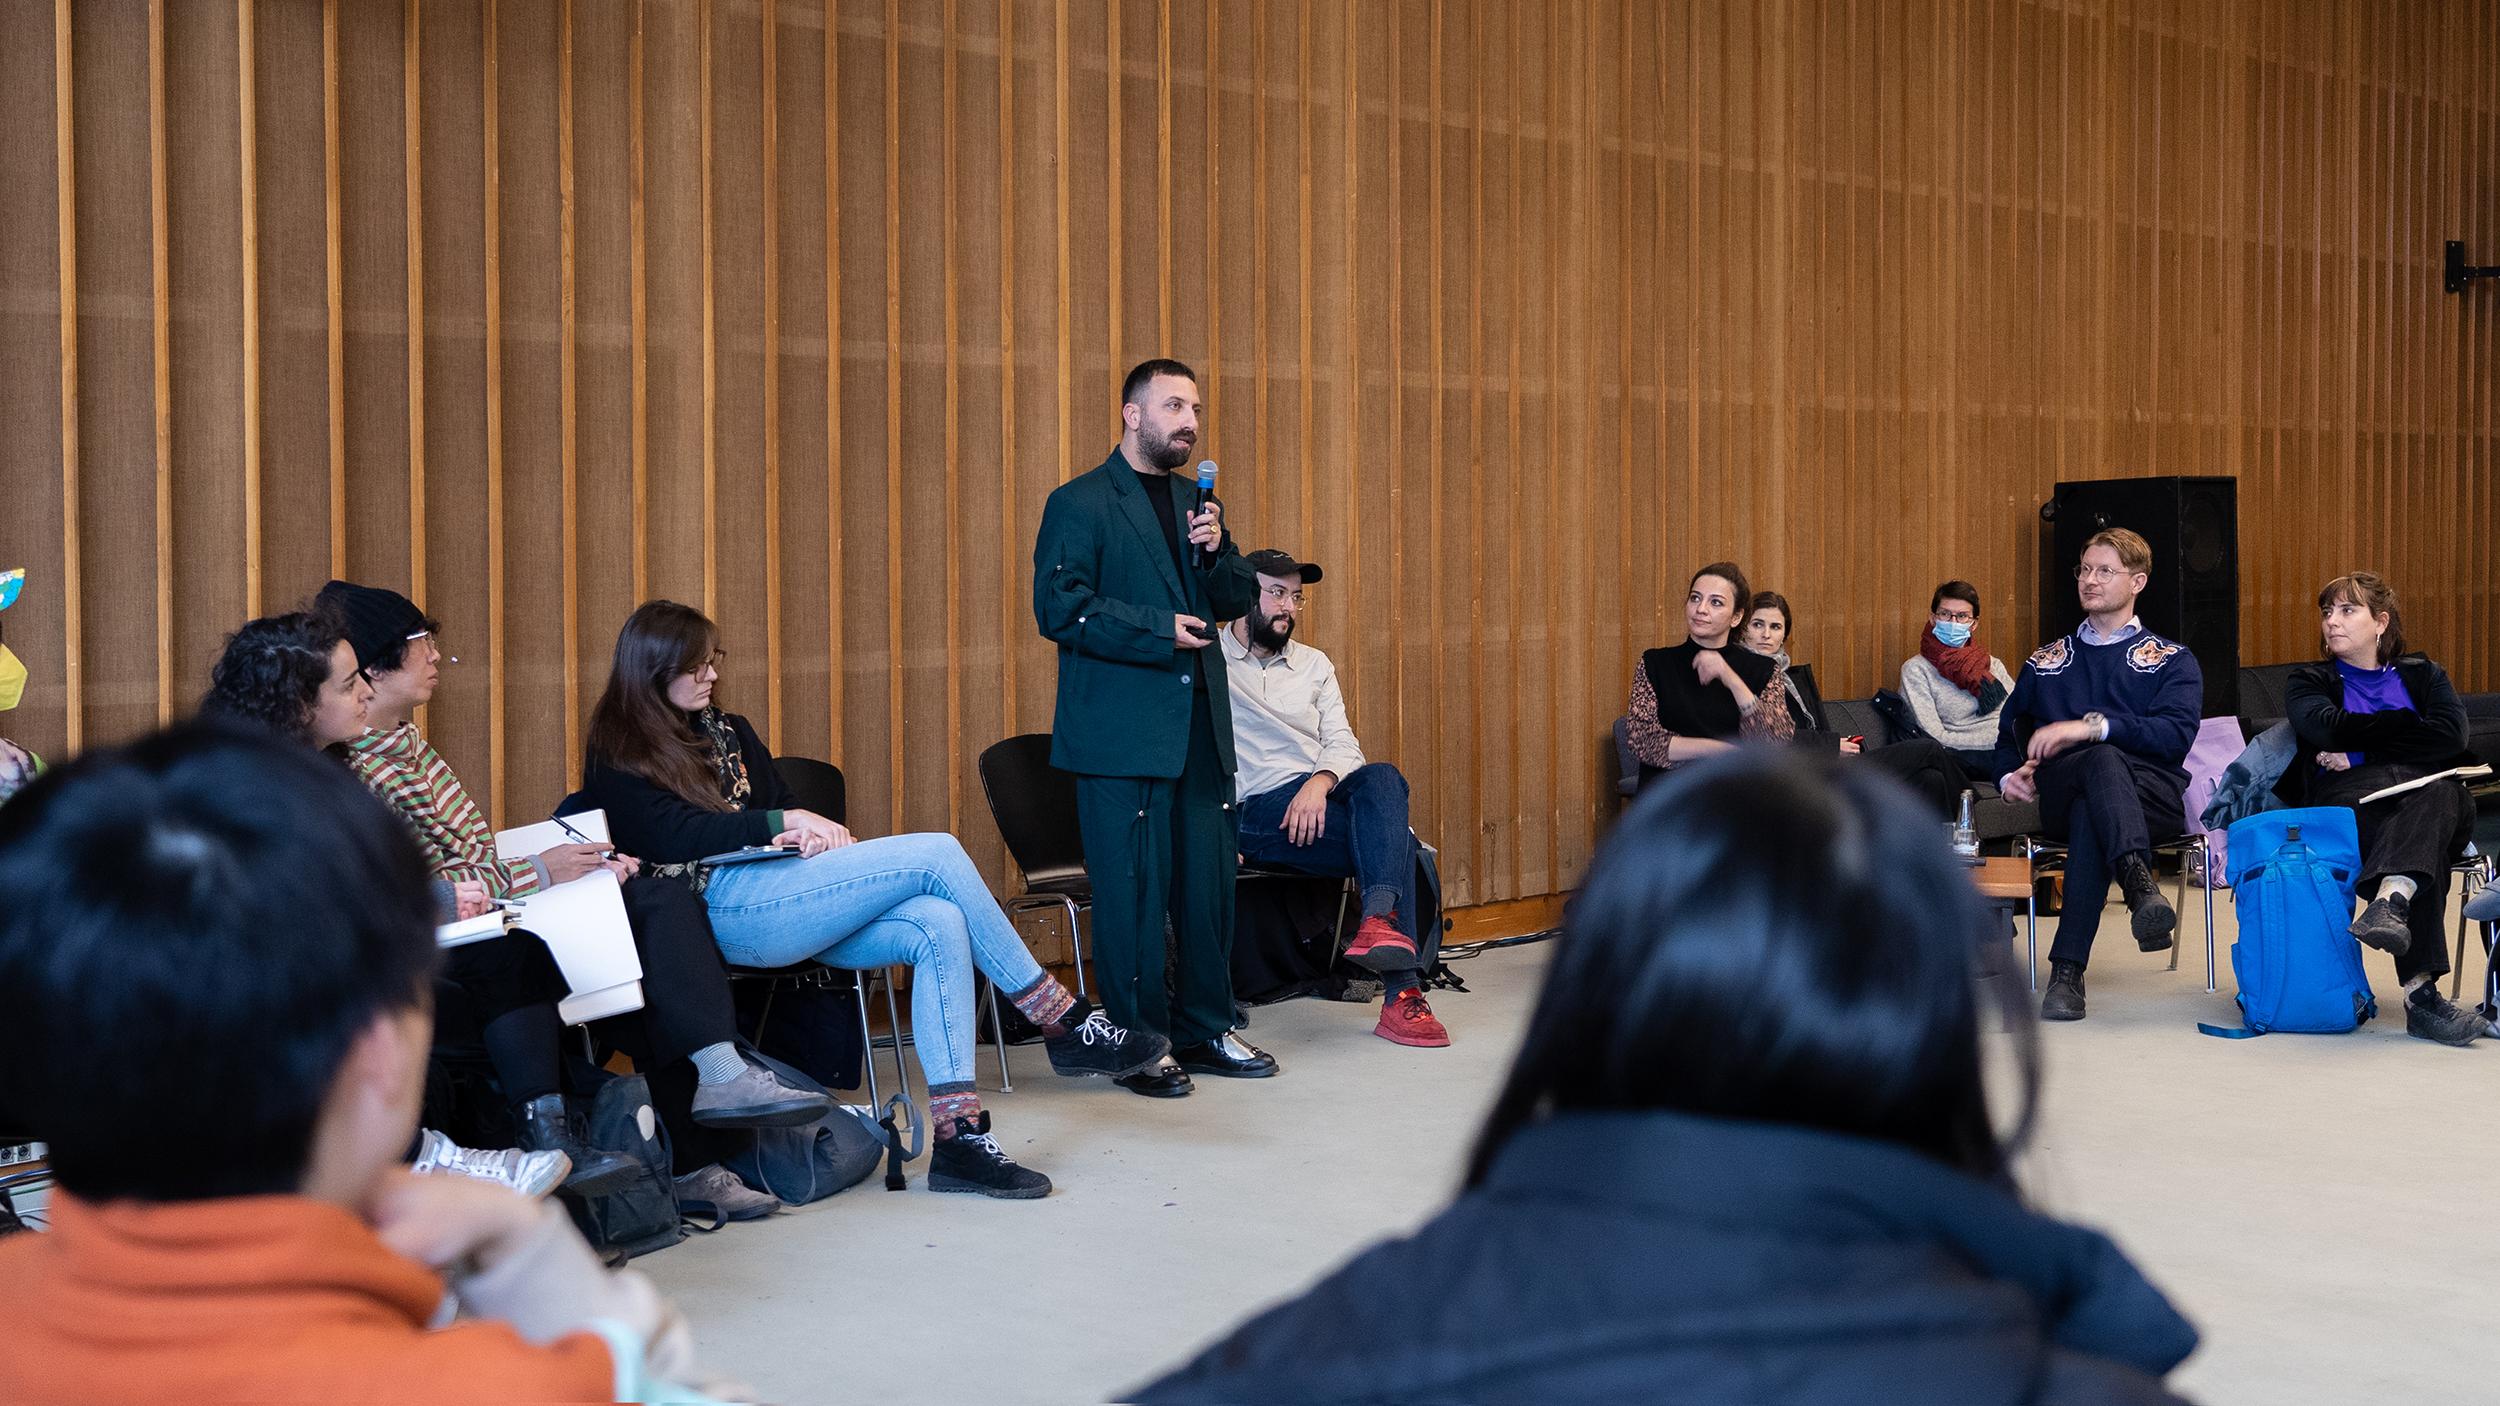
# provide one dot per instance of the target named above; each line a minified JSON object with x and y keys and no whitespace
{"x":1308,"y":800}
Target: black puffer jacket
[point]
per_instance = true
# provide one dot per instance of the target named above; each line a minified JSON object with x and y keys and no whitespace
{"x":1665,"y":1258}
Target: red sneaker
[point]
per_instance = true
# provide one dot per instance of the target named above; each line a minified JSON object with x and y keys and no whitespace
{"x":1380,"y":946}
{"x":1406,"y":1020}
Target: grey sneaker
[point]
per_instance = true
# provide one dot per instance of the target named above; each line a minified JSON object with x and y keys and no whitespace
{"x":2387,"y":924}
{"x":533,"y":1174}
{"x":717,"y":1188}
{"x":757,"y":1098}
{"x":2431,"y":1016}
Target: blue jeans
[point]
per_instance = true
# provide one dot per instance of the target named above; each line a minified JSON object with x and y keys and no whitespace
{"x":1366,"y":839}
{"x":913,"y":899}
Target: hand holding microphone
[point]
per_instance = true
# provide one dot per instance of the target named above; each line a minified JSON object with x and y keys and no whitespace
{"x":1206,"y":521}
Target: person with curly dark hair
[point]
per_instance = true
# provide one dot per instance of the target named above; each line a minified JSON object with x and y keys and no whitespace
{"x":293,"y":674}
{"x":296,"y":675}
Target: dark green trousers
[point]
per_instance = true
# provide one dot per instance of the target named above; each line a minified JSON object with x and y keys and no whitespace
{"x":1156,"y":846}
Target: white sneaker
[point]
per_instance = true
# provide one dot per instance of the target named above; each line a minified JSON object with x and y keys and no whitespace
{"x":533,"y":1174}
{"x":717,"y":1188}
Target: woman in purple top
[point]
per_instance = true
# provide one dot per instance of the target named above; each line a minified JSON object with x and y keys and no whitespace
{"x":2370,"y":716}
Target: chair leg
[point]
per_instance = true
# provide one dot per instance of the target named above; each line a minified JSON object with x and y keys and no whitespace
{"x":998,"y":1033}
{"x":2176,"y":909}
{"x":867,"y":1039}
{"x":2031,"y":907}
{"x":2476,"y":880}
{"x":894,"y":1022}
{"x":1336,"y":935}
{"x":2204,"y":866}
{"x":1076,"y":942}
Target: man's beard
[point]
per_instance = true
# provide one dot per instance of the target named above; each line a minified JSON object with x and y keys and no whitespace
{"x":1269,"y":632}
{"x":1161,"y":452}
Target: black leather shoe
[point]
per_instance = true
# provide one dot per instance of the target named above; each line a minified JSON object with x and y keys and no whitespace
{"x":2064,"y":998}
{"x":1227,"y":1056}
{"x":1161,"y":1080}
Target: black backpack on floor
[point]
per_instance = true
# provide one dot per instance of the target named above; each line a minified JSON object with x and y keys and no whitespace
{"x":641,"y":1216}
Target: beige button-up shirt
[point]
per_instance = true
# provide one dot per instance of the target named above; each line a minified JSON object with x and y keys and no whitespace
{"x":1288,"y":716}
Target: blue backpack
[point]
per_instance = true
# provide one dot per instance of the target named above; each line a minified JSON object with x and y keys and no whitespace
{"x":2298,"y":967}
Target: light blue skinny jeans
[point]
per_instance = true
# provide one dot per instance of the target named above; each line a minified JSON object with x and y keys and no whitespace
{"x":913,"y":899}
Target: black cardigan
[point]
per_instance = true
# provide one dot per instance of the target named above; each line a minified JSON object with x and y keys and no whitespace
{"x":2429,"y":736}
{"x":658,"y":826}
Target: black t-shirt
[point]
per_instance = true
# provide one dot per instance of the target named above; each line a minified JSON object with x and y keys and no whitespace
{"x":1159,"y":492}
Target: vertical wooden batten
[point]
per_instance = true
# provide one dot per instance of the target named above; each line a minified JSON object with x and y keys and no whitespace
{"x":711,"y":335}
{"x":639,"y":257}
{"x":73,"y":595}
{"x":568,"y":376}
{"x":894,"y":413}
{"x":247,"y":122}
{"x":772,"y":373}
{"x":161,"y":288}
{"x":411,"y":73}
{"x":949,"y":237}
{"x":491,"y":211}
{"x":834,"y":671}
{"x":1011,"y":548}
{"x":334,"y":273}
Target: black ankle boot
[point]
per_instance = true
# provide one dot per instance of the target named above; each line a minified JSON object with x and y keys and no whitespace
{"x":2152,"y":915}
{"x":542,"y":1125}
{"x":2387,"y":924}
{"x":969,"y":1160}
{"x":2064,"y":998}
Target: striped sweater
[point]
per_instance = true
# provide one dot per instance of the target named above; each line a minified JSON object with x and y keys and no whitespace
{"x":402,"y":768}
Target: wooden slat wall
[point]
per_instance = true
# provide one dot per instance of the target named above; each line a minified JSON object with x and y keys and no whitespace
{"x":1512,"y":313}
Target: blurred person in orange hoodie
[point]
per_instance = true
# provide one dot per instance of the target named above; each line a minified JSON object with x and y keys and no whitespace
{"x":215,"y":978}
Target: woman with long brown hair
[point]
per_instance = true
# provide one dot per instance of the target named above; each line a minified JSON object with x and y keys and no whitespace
{"x":684,"y":781}
{"x":2370,"y":715}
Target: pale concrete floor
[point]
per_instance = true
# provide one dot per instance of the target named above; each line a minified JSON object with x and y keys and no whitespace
{"x":2316,"y":1204}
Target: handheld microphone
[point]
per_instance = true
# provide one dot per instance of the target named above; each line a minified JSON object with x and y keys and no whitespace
{"x":1206,"y":488}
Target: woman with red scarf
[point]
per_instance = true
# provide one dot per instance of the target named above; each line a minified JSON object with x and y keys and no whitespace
{"x":1954,"y":686}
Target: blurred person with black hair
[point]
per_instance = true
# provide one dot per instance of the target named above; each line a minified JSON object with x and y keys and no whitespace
{"x":215,"y":973}
{"x":1746,"y":1152}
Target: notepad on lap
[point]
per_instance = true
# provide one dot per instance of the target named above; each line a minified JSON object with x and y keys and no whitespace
{"x":582,"y":922}
{"x":2462,"y":773}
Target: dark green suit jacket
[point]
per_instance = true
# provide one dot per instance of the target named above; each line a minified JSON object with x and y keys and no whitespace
{"x":1105,"y":591}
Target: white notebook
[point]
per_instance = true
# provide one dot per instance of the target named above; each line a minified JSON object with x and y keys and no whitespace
{"x":2462,"y":773}
{"x":582,"y":923}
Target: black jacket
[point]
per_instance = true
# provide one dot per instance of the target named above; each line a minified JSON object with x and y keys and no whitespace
{"x":1666,"y":1258}
{"x":2428,"y":737}
{"x":658,"y":826}
{"x":1105,"y":591}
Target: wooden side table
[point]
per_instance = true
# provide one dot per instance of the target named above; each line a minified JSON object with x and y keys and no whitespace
{"x":2004,"y":883}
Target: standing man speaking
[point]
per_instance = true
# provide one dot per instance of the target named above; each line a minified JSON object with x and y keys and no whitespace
{"x":1130,"y":575}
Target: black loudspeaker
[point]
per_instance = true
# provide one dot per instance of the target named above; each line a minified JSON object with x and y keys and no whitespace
{"x":2193,"y":526}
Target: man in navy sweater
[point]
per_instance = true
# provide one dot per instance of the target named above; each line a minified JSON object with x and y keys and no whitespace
{"x":2096,"y":731}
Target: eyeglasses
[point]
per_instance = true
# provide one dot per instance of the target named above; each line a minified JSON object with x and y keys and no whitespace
{"x":718,"y":657}
{"x":1280,"y":594}
{"x":1957,"y":617}
{"x":2101,"y":573}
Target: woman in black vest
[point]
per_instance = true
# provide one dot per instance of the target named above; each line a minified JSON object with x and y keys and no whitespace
{"x":1692,"y":699}
{"x":1923,"y":764}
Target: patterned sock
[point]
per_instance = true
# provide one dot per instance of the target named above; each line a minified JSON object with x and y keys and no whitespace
{"x":958,"y":1101}
{"x":718,"y":1063}
{"x":1044,"y":1002}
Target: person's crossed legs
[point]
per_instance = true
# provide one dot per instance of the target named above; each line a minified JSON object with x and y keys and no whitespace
{"x":2107,"y":805}
{"x":1367,"y":838}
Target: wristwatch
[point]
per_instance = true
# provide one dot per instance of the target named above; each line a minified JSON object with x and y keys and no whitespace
{"x":2099,"y":723}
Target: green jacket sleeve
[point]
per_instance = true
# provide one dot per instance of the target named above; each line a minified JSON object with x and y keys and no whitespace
{"x":1067,"y":603}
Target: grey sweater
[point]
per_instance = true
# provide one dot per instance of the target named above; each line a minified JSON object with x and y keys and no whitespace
{"x":1947,"y":712}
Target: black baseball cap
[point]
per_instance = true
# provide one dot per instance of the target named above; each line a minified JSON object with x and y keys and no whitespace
{"x":1268,"y":561}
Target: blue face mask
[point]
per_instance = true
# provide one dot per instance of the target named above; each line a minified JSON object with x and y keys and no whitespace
{"x":1953,"y":634}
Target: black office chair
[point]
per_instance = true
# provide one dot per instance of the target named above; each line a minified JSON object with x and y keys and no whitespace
{"x":1034,"y":805}
{"x":819,"y":786}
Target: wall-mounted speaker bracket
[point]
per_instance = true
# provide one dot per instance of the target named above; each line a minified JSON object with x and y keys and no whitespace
{"x":2460,"y":273}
